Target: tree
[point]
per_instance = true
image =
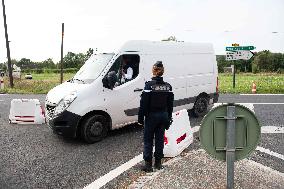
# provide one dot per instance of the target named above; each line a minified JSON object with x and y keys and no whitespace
{"x":47,"y":64}
{"x":221,"y":62}
{"x":3,"y":66}
{"x":89,"y":52}
{"x":26,"y":63}
{"x":72,"y":60}
{"x":261,"y":61}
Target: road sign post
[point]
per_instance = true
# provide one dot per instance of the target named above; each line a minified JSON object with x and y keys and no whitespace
{"x":234,"y":75}
{"x":230,"y":132}
{"x":230,"y":146}
{"x":237,"y":52}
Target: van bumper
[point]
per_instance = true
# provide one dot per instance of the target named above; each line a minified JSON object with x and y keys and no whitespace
{"x":65,"y":124}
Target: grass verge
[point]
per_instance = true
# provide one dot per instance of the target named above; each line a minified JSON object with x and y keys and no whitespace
{"x":40,"y":84}
{"x":265,"y":83}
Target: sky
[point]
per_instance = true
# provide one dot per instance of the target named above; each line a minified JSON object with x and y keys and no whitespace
{"x":34,"y":26}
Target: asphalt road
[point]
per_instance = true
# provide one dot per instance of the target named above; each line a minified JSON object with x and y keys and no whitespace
{"x":31,"y":156}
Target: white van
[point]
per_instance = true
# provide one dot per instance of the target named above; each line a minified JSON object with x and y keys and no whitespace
{"x":91,"y":103}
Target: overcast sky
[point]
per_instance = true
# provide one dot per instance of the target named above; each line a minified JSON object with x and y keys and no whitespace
{"x":34,"y":26}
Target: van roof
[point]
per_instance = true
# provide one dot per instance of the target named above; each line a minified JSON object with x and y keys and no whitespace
{"x":168,"y":47}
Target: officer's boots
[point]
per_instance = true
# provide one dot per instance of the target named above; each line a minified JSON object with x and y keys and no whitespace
{"x":158,"y":164}
{"x":148,"y":166}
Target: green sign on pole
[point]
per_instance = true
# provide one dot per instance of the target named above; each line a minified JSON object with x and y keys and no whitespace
{"x":245,"y":48}
{"x":214,"y":127}
{"x":230,"y":132}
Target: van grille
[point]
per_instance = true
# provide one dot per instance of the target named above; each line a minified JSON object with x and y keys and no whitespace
{"x":50,"y":110}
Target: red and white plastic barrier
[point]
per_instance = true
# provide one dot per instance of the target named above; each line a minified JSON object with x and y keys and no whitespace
{"x":179,"y":136}
{"x":26,"y":111}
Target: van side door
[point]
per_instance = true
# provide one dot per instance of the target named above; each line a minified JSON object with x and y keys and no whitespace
{"x":123,"y":99}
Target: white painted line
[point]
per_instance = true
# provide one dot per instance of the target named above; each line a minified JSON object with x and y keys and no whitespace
{"x":269,"y":152}
{"x":261,"y":103}
{"x":264,"y":129}
{"x":261,"y":94}
{"x":264,"y":103}
{"x":195,"y":128}
{"x":272,"y":129}
{"x":265,"y":168}
{"x":140,"y":183}
{"x":114,"y":173}
{"x":1,"y":100}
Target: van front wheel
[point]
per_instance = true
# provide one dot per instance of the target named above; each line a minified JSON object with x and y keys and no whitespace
{"x":200,"y":106}
{"x":94,"y":128}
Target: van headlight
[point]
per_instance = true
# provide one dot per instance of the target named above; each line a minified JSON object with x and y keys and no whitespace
{"x":65,"y":103}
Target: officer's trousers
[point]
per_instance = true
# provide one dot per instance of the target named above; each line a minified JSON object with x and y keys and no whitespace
{"x":154,"y":128}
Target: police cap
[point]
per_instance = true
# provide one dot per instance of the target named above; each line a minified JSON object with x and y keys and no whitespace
{"x":158,"y":64}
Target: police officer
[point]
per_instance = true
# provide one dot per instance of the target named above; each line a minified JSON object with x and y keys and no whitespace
{"x":156,"y":105}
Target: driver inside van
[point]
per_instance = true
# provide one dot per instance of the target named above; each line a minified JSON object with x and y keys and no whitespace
{"x":127,"y":71}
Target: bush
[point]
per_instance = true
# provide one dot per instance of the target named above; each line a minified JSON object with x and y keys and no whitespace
{"x":40,"y":71}
{"x":254,"y":69}
{"x":71,"y":70}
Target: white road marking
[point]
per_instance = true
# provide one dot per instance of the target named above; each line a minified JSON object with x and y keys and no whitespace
{"x":139,"y":184}
{"x":264,"y":103}
{"x":269,"y":152}
{"x":272,"y":129}
{"x":195,"y":128}
{"x":266,"y":168}
{"x":1,"y":100}
{"x":264,"y":129}
{"x":261,"y":94}
{"x":114,"y":173}
{"x":257,"y":103}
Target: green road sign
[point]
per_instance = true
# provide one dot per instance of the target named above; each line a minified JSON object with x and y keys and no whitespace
{"x":214,"y":127}
{"x":245,"y":48}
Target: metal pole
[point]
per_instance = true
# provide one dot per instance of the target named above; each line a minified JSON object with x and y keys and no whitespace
{"x":230,"y":145}
{"x":61,"y":63}
{"x":234,"y":74}
{"x":7,"y":47}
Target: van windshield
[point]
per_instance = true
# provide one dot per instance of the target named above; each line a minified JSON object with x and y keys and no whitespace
{"x":92,"y":68}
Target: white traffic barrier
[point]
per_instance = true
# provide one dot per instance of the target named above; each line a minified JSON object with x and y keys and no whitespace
{"x":248,"y":105}
{"x":1,"y":83}
{"x":179,"y":136}
{"x":26,"y":111}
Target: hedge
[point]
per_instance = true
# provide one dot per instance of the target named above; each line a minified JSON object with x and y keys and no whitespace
{"x":39,"y":71}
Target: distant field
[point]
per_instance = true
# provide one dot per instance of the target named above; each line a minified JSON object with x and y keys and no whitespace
{"x":266,"y":83}
{"x":40,"y":84}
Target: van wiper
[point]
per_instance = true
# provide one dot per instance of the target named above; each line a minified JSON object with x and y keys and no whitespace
{"x":78,"y":80}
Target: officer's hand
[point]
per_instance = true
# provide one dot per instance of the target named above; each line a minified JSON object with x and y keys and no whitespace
{"x":171,"y":120}
{"x":140,"y":124}
{"x":169,"y":123}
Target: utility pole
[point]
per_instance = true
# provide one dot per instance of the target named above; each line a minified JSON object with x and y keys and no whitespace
{"x":234,"y":74}
{"x":7,"y":47}
{"x":61,"y":63}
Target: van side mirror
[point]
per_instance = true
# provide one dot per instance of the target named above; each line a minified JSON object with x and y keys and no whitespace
{"x":109,"y":80}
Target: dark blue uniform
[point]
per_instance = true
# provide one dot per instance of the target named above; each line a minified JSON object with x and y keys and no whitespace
{"x":157,"y":106}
